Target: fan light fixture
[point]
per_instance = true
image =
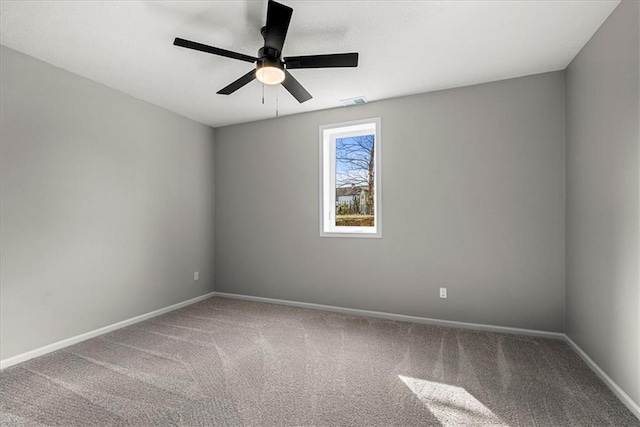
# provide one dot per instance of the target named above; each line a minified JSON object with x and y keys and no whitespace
{"x":270,"y":74}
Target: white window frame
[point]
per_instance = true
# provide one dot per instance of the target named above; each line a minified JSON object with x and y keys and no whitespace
{"x":328,"y":136}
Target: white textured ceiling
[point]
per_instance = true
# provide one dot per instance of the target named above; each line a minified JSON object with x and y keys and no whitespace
{"x":405,"y":47}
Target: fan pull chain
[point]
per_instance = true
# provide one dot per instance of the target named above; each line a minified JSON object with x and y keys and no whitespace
{"x":276,"y":102}
{"x":262,"y":93}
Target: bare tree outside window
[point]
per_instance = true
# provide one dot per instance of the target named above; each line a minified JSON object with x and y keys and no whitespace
{"x":355,"y":181}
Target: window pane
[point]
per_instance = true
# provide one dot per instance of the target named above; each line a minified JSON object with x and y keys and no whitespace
{"x":355,"y":181}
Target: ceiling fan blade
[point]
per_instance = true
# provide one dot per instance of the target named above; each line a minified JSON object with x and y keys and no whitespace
{"x":247,"y":78}
{"x":278,"y":18}
{"x":322,"y":61}
{"x":214,"y":50}
{"x":295,"y":88}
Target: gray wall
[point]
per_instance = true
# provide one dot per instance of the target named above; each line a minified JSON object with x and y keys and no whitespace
{"x":106,"y":205}
{"x":603,"y":180}
{"x":473,"y":200}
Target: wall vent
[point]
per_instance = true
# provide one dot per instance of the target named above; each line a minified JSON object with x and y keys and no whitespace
{"x":353,"y":101}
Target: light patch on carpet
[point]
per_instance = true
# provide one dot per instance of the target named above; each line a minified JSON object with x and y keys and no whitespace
{"x":451,"y":405}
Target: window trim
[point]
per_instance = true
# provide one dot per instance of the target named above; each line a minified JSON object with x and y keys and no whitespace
{"x":327,"y":136}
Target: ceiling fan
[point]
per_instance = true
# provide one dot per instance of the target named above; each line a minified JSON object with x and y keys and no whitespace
{"x":271,"y":68}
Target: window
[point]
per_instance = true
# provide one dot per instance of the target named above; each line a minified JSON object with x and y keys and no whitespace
{"x":350,"y":196}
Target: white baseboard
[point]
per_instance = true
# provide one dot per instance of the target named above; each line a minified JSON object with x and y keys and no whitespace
{"x":5,"y":363}
{"x":399,"y":317}
{"x":624,"y":397}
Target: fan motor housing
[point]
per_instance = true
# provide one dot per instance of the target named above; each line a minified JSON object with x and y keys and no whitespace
{"x":268,"y":53}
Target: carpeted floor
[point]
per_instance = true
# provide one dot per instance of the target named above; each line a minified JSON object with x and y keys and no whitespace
{"x":230,"y":362}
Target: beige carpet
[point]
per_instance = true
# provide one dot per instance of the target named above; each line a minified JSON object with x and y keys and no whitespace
{"x":229,"y":362}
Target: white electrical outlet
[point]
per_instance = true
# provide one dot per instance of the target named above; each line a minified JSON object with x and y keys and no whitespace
{"x":443,"y":292}
{"x":196,"y":275}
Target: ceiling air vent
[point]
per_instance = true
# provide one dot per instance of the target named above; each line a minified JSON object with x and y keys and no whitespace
{"x":353,"y":101}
